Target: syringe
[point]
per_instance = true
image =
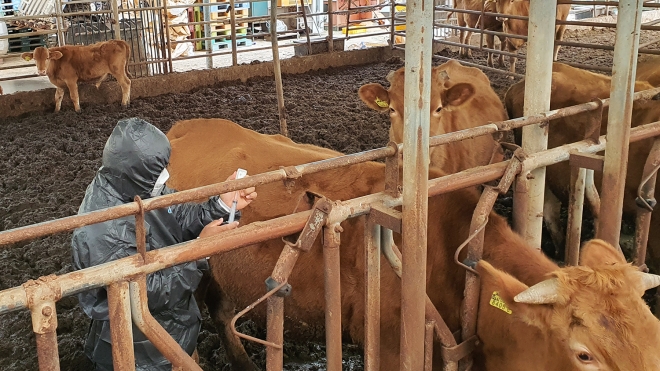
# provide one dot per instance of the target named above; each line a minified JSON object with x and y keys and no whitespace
{"x":240,"y":173}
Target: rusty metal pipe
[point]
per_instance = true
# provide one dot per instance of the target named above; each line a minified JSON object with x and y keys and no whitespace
{"x":629,"y":21}
{"x":646,"y":202}
{"x":160,"y":338}
{"x":575,"y":209}
{"x":331,"y":242}
{"x":44,"y":325}
{"x":428,"y":345}
{"x":121,"y":329}
{"x":275,"y":310}
{"x":277,"y":69}
{"x":372,"y":245}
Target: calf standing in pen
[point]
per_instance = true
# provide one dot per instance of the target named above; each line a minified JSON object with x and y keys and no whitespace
{"x":66,"y":65}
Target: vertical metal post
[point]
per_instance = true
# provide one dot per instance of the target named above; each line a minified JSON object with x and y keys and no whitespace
{"x":44,"y":325}
{"x":428,"y":345}
{"x":575,"y":209}
{"x":277,"y":69}
{"x":167,"y":36}
{"x":629,"y":20}
{"x":392,"y":28}
{"x":528,"y":195}
{"x":331,"y":45}
{"x":417,"y":92}
{"x":115,"y":14}
{"x":646,"y":202}
{"x":207,"y":32}
{"x":307,"y":29}
{"x":234,"y":42}
{"x":331,"y":241}
{"x":372,"y":236}
{"x":59,"y":23}
{"x":348,"y":19}
{"x":121,"y":327}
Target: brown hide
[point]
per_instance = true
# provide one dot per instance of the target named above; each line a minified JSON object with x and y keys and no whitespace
{"x":207,"y":151}
{"x":571,"y":86}
{"x":649,"y":70}
{"x":461,"y":99}
{"x":67,"y":65}
{"x":598,"y":320}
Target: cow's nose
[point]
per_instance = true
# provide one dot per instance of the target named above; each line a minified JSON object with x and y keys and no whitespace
{"x":42,"y":73}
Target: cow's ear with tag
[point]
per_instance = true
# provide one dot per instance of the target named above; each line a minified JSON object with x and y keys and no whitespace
{"x":458,"y":94}
{"x":55,"y":55}
{"x":27,"y":56}
{"x":375,"y":96}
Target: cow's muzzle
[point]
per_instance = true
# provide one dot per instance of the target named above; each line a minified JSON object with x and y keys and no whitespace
{"x":42,"y":73}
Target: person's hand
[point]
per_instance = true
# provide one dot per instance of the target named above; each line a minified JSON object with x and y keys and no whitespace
{"x":245,"y":196}
{"x":215,"y":227}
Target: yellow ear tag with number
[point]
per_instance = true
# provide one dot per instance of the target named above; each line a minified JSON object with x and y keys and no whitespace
{"x":498,"y":303}
{"x":381,"y":103}
{"x":27,"y":58}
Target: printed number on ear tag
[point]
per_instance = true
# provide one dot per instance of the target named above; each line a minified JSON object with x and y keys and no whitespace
{"x":381,"y":103}
{"x":498,"y":303}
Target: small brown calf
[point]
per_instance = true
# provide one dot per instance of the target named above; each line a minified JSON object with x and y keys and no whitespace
{"x":66,"y":65}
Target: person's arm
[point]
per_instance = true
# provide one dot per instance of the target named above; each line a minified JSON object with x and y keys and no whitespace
{"x":194,"y":217}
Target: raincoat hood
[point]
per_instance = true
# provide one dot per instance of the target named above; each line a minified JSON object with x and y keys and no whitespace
{"x":134,"y":156}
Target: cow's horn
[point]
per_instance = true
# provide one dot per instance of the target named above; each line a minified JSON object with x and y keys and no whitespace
{"x":649,"y":281}
{"x":542,"y":293}
{"x":390,"y":76}
{"x":443,"y":75}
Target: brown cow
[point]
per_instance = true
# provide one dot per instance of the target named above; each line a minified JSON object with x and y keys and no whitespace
{"x":596,"y":311}
{"x":66,"y":65}
{"x":571,"y":86}
{"x":648,"y":70}
{"x":461,"y":98}
{"x":519,"y":27}
{"x":474,"y":21}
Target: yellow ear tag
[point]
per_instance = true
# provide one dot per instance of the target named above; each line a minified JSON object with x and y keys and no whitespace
{"x":27,"y":58}
{"x":498,"y":303}
{"x":381,"y":103}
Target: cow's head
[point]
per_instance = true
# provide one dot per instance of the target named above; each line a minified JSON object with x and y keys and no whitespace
{"x":42,"y":57}
{"x":446,"y":95}
{"x":592,"y":315}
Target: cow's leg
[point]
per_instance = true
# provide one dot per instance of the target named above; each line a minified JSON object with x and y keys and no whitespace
{"x":592,"y":197}
{"x":512,"y":59}
{"x":559,"y":36}
{"x":490,"y":43}
{"x":468,"y":37}
{"x":125,"y":84}
{"x":551,"y":216}
{"x":59,"y":94}
{"x":222,"y":311}
{"x":500,"y":59}
{"x":73,"y":93}
{"x":100,"y":80}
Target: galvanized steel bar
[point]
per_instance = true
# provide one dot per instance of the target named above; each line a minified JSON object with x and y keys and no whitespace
{"x":121,"y":326}
{"x":528,"y":194}
{"x":116,"y":32}
{"x":646,"y":202}
{"x":234,"y":42}
{"x":372,"y":246}
{"x":575,"y":209}
{"x":417,"y":92}
{"x":277,"y":69}
{"x":331,"y":242}
{"x":629,"y":20}
{"x":160,"y":338}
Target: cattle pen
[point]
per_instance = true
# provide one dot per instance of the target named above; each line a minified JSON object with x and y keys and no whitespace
{"x":422,"y":325}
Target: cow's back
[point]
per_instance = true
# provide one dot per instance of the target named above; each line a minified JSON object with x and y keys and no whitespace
{"x":88,"y":62}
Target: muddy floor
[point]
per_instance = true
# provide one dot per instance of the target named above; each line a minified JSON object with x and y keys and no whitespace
{"x":47,"y":160}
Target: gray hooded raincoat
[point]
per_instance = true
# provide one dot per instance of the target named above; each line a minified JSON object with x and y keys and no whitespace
{"x":133,"y":158}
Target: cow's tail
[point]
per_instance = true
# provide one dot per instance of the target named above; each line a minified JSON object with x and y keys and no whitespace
{"x":128,"y":57}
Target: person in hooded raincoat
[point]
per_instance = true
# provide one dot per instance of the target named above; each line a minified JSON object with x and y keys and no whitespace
{"x":134,"y":163}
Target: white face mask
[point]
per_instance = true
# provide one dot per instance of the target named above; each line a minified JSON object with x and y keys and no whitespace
{"x":160,"y":182}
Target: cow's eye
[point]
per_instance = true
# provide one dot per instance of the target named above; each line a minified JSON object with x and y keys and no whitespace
{"x":584,"y":357}
{"x":438,"y":109}
{"x":392,"y":110}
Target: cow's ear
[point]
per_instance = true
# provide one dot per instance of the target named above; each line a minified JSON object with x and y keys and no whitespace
{"x":27,"y":56}
{"x":597,"y":253}
{"x":55,"y":55}
{"x":458,"y":94}
{"x":375,"y":96}
{"x":499,"y":297}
